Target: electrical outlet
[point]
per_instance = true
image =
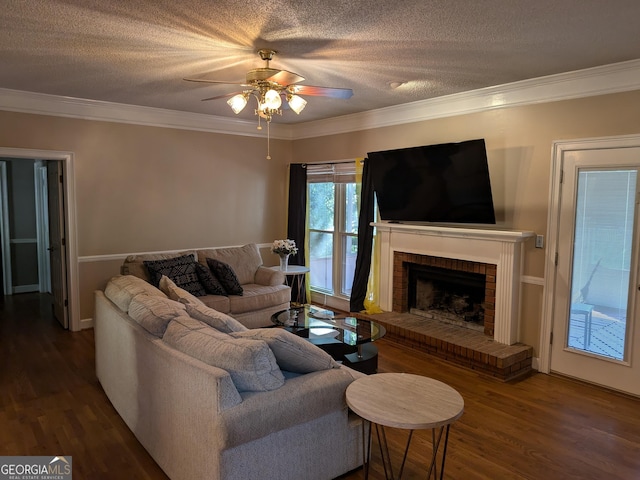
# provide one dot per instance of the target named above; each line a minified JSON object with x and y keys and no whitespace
{"x":539,"y":241}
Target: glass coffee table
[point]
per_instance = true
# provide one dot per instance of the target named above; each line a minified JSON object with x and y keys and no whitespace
{"x":346,"y":339}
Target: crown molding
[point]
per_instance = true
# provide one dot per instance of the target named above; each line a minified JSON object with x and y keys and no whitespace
{"x":59,"y":106}
{"x":614,"y":78}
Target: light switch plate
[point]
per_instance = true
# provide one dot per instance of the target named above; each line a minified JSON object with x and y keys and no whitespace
{"x":539,"y":241}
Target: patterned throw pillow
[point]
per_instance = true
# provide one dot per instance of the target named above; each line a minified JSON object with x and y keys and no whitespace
{"x":181,"y":270}
{"x":208,"y":280}
{"x":226,"y":275}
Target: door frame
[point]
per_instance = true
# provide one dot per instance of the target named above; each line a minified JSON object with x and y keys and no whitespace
{"x":42,"y":225}
{"x":5,"y":232}
{"x":69,"y":220}
{"x":553,"y":225}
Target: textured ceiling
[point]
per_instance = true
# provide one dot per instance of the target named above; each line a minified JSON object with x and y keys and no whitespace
{"x":138,"y":51}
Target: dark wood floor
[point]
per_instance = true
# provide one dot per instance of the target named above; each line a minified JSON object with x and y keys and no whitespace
{"x":543,"y":427}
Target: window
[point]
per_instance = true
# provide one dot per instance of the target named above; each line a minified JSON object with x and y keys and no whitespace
{"x":333,"y":227}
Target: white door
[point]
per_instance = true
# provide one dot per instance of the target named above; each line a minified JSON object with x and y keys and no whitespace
{"x":596,"y":285}
{"x":57,"y":244}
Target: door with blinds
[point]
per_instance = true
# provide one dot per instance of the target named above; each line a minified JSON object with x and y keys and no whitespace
{"x":595,"y":336}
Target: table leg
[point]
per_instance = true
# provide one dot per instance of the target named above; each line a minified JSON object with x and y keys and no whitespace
{"x":366,"y":448}
{"x":384,"y":452}
{"x":433,"y":468}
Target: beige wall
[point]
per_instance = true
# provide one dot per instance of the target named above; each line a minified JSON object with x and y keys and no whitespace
{"x":519,"y":142}
{"x":147,"y":189}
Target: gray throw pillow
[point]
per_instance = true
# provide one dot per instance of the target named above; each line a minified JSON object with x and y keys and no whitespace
{"x":154,"y":313}
{"x":251,"y":364}
{"x":218,"y":320}
{"x":293,"y":353}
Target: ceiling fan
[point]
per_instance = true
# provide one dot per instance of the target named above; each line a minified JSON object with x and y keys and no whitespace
{"x":269,"y":86}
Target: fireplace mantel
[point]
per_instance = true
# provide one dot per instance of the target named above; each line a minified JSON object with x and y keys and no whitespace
{"x":502,"y":248}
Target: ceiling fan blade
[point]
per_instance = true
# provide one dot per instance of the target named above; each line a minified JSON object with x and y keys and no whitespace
{"x":313,"y":91}
{"x":220,"y":96}
{"x":204,"y":80}
{"x":284,"y":77}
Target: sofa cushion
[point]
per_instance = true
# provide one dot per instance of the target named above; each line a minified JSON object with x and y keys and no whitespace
{"x":209,"y":281}
{"x":243,"y":260}
{"x":181,"y":270}
{"x":122,"y":288}
{"x":134,"y":264}
{"x":256,"y":297}
{"x":218,"y":320}
{"x":217,"y":302}
{"x":227,"y":277}
{"x":293,"y":353}
{"x":174,"y":292}
{"x":251,"y":363}
{"x":154,"y":313}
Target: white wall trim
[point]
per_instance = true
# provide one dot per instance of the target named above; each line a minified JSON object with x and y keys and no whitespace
{"x":613,"y":78}
{"x":530,"y":280}
{"x":43,"y":104}
{"x":122,"y":256}
{"x":26,"y":288}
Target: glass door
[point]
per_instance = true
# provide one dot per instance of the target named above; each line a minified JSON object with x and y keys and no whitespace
{"x":594,"y":317}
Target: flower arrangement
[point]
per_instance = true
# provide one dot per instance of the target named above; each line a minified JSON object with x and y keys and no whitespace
{"x":284,"y":247}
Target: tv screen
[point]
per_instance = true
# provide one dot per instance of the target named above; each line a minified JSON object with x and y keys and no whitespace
{"x":446,"y":183}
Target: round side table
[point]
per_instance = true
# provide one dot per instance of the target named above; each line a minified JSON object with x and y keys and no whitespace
{"x":402,"y":400}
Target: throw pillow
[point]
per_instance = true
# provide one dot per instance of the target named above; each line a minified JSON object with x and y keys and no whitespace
{"x":226,"y":275}
{"x":209,"y":281}
{"x":293,"y":353}
{"x":121,"y":289}
{"x":181,"y":270}
{"x":154,"y":313}
{"x":214,"y":318}
{"x":174,"y":292}
{"x":250,"y":363}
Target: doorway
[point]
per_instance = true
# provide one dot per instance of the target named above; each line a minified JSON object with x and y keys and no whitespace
{"x":591,"y":294}
{"x":64,"y":281}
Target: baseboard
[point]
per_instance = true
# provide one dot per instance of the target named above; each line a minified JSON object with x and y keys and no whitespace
{"x":86,"y":323}
{"x":26,"y":288}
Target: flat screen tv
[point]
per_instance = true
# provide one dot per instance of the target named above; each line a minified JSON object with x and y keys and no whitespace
{"x":446,"y":183}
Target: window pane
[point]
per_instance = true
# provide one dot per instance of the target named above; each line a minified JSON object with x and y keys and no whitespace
{"x":321,"y":259}
{"x":349,"y":263}
{"x":321,"y":206}
{"x":351,"y":209}
{"x":602,"y":261}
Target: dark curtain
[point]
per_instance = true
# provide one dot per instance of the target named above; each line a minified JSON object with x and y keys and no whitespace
{"x":365,"y":242}
{"x":297,"y":219}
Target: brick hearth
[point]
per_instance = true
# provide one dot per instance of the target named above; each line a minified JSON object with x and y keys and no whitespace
{"x":460,"y":345}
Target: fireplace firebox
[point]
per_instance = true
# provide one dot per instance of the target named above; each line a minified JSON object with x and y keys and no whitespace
{"x":464,"y":291}
{"x":451,"y":296}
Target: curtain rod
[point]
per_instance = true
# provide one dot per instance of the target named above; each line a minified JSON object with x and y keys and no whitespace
{"x":304,"y":165}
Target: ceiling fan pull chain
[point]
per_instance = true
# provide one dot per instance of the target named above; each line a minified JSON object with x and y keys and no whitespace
{"x":268,"y":140}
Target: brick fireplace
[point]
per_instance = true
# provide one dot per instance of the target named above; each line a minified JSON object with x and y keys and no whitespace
{"x":498,"y":252}
{"x":494,"y":254}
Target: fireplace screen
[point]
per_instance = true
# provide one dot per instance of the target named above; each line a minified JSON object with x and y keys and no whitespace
{"x":448,"y":295}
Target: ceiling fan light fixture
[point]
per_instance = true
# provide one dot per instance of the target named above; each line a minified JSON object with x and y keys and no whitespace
{"x":296,"y":103}
{"x":238,"y":102}
{"x":272,"y":99}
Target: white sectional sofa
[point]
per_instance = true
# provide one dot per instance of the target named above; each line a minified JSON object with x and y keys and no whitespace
{"x":162,"y":369}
